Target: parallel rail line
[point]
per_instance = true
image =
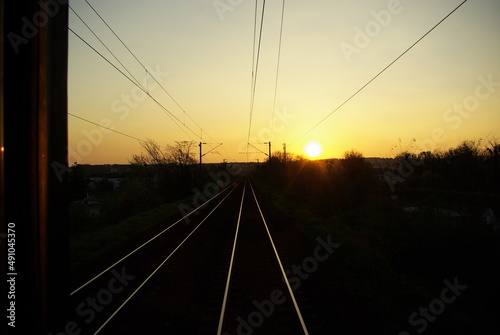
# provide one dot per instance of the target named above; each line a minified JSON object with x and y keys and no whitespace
{"x":220,"y":311}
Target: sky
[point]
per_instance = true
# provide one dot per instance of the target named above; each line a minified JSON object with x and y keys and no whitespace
{"x":445,"y":90}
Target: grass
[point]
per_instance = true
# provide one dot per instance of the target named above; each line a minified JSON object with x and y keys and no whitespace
{"x":90,"y":245}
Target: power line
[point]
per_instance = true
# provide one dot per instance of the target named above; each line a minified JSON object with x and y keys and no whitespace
{"x":136,"y":82}
{"x":144,"y":67}
{"x":107,"y":25}
{"x":278,"y":64}
{"x":378,"y":74}
{"x":253,"y":50}
{"x":101,"y":126}
{"x":95,"y":35}
{"x":254,"y":83}
{"x":102,"y":56}
{"x":165,"y":110}
{"x":253,"y":70}
{"x":110,"y":129}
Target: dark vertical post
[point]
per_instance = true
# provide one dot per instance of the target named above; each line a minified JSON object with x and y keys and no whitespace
{"x":284,"y":152}
{"x":269,"y":154}
{"x":200,"y":157}
{"x":34,"y":129}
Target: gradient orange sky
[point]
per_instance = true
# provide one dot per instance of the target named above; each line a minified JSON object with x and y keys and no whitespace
{"x":445,"y":90}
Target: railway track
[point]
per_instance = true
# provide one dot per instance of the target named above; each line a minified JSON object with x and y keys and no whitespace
{"x":258,"y":295}
{"x":221,"y":274}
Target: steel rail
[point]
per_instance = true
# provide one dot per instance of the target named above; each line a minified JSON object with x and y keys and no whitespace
{"x":159,"y":266}
{"x":144,"y":244}
{"x":226,"y":291}
{"x":285,"y":278}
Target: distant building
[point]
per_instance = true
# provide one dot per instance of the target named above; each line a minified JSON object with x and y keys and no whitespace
{"x":115,"y":181}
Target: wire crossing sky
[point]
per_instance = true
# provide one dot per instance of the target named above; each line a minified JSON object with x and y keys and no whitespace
{"x":444,"y":90}
{"x":255,"y":63}
{"x":378,"y":74}
{"x":130,"y":76}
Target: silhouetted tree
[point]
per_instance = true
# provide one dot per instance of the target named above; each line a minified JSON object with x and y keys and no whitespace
{"x":466,"y":166}
{"x":181,"y":153}
{"x":355,"y":180}
{"x":167,"y":170}
{"x":493,"y":164}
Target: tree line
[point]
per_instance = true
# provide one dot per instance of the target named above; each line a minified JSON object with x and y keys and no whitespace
{"x":155,"y":176}
{"x":353,"y":180}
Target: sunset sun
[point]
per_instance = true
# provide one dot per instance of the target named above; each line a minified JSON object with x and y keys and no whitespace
{"x":313,"y":149}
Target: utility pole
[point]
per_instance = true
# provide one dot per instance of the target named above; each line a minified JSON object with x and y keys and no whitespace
{"x":269,"y":155}
{"x":201,"y":155}
{"x":284,"y":152}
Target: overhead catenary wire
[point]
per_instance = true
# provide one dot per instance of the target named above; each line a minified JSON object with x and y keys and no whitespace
{"x":165,"y":110}
{"x":111,"y":129}
{"x":136,"y":83}
{"x":145,"y":91}
{"x":256,"y":63}
{"x":253,"y":65}
{"x":105,"y":46}
{"x":151,"y":75}
{"x":254,"y":47}
{"x":107,"y":128}
{"x":278,"y":64}
{"x":102,"y":56}
{"x":379,"y":73}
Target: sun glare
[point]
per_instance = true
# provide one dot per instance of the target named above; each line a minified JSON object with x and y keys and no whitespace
{"x":313,"y":149}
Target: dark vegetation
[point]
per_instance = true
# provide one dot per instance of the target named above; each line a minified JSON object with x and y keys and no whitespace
{"x":405,"y":226}
{"x":111,"y":203}
{"x":156,"y":176}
